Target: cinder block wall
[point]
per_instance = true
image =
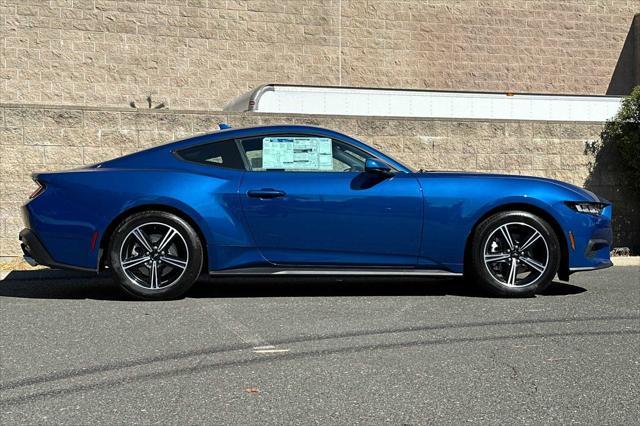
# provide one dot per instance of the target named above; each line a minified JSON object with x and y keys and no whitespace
{"x":34,"y":138}
{"x":198,"y":54}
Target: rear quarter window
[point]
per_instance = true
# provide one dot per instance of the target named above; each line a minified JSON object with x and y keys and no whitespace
{"x":219,"y":154}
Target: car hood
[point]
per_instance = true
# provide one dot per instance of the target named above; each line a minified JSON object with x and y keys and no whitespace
{"x":581,"y":193}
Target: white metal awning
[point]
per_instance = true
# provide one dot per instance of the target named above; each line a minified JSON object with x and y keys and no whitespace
{"x":275,"y":98}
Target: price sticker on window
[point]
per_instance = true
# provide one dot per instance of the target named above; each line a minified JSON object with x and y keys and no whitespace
{"x":297,"y":153}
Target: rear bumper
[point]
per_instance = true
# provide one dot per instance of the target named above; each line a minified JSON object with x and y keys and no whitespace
{"x":35,"y":253}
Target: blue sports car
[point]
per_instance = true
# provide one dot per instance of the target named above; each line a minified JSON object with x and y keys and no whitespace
{"x":307,"y":200}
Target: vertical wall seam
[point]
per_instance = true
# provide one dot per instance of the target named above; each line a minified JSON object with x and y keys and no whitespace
{"x":339,"y":42}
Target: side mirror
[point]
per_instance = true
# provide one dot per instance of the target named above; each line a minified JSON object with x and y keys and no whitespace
{"x":374,"y":165}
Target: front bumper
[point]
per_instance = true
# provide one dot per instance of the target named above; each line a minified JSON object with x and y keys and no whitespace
{"x":593,"y":241}
{"x":602,"y":265}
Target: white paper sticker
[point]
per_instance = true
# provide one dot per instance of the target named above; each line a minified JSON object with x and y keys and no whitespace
{"x":297,"y":153}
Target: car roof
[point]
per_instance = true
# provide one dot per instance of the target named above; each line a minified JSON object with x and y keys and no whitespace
{"x":241,"y":132}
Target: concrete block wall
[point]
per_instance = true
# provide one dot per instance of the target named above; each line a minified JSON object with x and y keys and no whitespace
{"x":37,"y":138}
{"x":198,"y":54}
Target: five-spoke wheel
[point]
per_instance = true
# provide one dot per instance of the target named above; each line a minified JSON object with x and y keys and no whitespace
{"x":515,"y":254}
{"x":156,"y":255}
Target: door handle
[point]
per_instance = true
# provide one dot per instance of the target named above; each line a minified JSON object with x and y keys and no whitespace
{"x":265,"y":193}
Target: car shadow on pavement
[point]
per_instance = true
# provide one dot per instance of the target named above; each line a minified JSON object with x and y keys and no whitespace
{"x":351,"y":287}
{"x":57,"y":284}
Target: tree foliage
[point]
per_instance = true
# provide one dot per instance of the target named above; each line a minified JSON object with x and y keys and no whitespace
{"x":623,"y":134}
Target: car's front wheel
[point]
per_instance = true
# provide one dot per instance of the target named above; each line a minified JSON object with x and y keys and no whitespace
{"x":155,"y":255}
{"x":515,"y":254}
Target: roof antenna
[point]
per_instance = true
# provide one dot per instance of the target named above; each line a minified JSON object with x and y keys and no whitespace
{"x":223,"y":126}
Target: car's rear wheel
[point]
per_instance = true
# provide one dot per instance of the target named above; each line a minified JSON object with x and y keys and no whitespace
{"x":155,"y":255}
{"x":515,"y":253}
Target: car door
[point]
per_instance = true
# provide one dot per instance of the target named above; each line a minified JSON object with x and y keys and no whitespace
{"x":308,"y":201}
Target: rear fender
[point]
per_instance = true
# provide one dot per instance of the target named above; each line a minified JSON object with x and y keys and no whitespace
{"x":77,"y":204}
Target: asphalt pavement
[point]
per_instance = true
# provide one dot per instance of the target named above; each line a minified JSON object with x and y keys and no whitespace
{"x":75,"y":350}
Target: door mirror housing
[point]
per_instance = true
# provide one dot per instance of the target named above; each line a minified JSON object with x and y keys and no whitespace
{"x":375,"y":165}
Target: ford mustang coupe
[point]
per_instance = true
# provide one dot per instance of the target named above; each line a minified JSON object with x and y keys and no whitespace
{"x":307,"y":200}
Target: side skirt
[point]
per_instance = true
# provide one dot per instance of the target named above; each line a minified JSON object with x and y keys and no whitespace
{"x":336,"y":271}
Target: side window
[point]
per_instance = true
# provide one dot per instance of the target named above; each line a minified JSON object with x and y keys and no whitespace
{"x":220,"y":153}
{"x":302,"y":154}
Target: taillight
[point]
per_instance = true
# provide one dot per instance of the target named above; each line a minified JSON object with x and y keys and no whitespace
{"x":39,"y":190}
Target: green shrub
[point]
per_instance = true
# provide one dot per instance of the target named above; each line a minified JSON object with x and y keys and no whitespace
{"x":623,"y":134}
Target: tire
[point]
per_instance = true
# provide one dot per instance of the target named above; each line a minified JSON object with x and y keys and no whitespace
{"x":519,"y":263}
{"x":155,"y":255}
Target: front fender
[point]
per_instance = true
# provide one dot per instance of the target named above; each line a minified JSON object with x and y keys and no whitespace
{"x":455,"y":204}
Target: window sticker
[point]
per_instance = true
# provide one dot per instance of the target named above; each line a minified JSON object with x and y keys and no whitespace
{"x":297,"y":153}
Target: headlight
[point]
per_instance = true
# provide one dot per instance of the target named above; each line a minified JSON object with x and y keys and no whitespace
{"x":589,"y":207}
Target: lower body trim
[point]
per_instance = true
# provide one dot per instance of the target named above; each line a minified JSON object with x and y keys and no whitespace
{"x":591,"y":268}
{"x":336,"y":271}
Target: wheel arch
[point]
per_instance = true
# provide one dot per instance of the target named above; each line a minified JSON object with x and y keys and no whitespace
{"x":109,"y":230}
{"x":563,"y":270}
